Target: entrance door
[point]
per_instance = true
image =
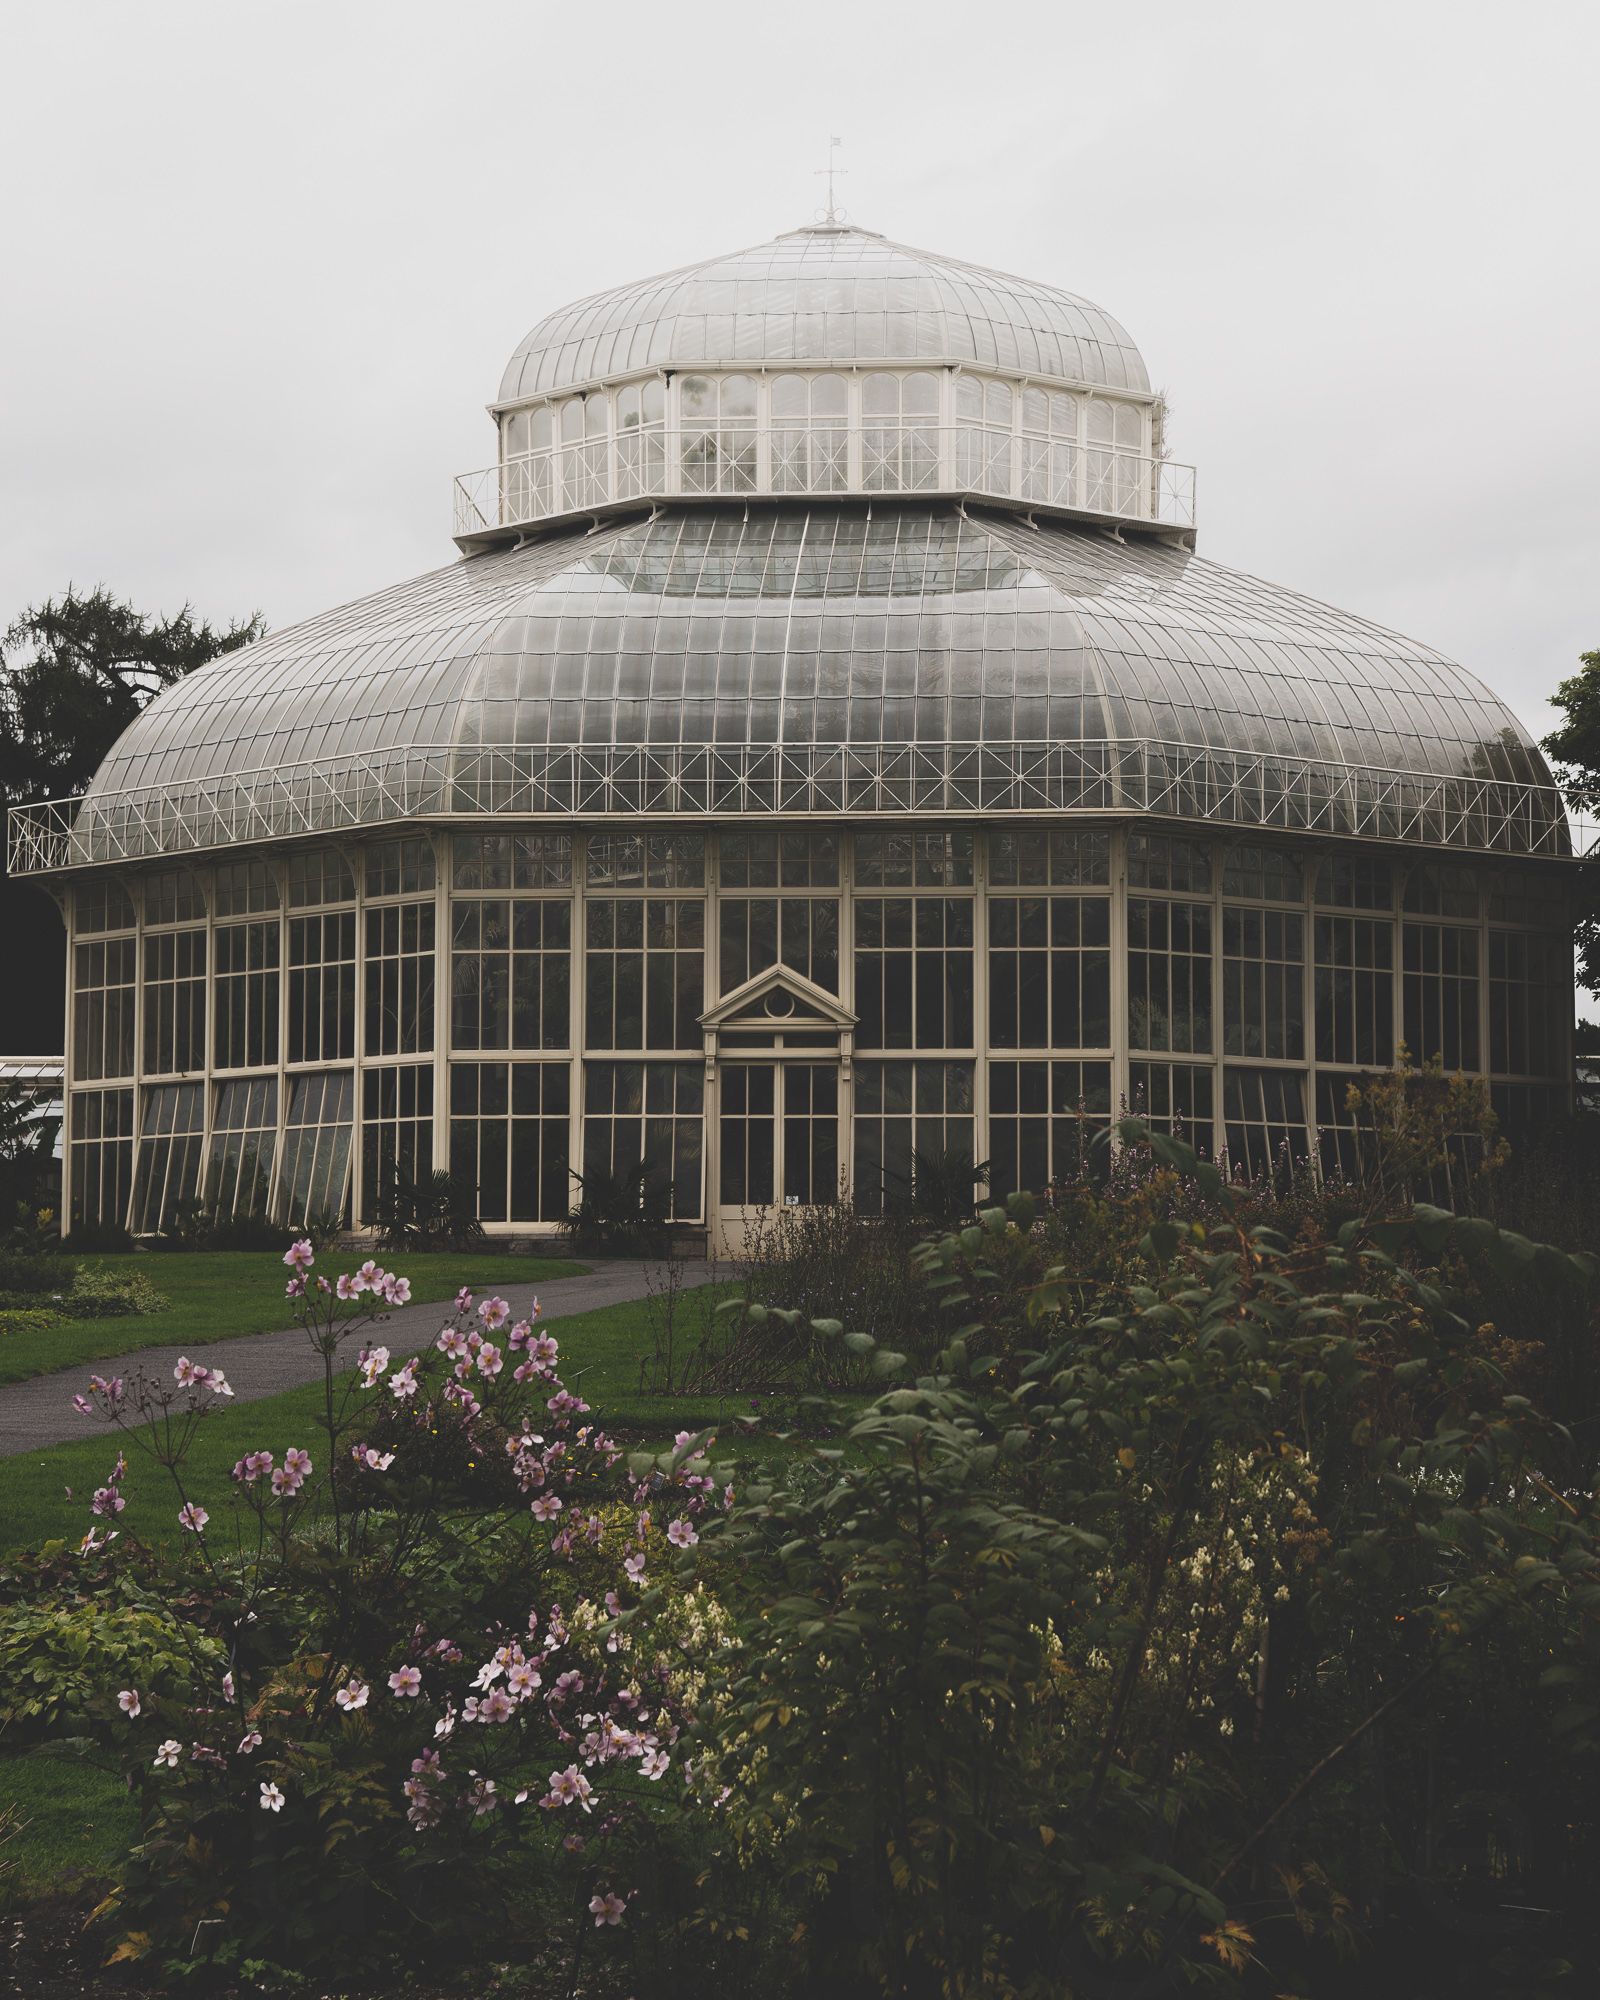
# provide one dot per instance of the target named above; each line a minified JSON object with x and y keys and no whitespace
{"x":778,"y":1144}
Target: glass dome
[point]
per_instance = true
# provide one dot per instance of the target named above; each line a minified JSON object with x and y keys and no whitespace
{"x":830,"y":292}
{"x":805,"y":660}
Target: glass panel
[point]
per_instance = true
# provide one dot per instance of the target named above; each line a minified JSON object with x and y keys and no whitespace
{"x":509,"y":1138}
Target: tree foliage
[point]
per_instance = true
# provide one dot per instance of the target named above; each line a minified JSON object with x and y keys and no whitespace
{"x":1575,"y":746}
{"x":76,"y":670}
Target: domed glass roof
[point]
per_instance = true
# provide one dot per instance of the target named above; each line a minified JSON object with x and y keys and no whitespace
{"x":814,"y":659}
{"x":829,"y":293}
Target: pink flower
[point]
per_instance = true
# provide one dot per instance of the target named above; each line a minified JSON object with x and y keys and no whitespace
{"x":452,"y":1341}
{"x":545,"y":1348}
{"x":128,"y":1701}
{"x":296,"y":1461}
{"x":227,"y":1686}
{"x":464,"y":1299}
{"x":168,"y":1753}
{"x":522,"y":1679}
{"x":348,"y":1287}
{"x":653,"y":1764}
{"x":354,"y":1694}
{"x":634,"y":1565}
{"x":192,"y":1517}
{"x":403,"y":1382}
{"x":252,"y":1467}
{"x":568,"y":1787}
{"x":490,"y":1361}
{"x":107,"y":1501}
{"x":405,"y":1681}
{"x":251,"y":1740}
{"x":519,"y":1335}
{"x":370,"y":1274}
{"x":607,"y":1909}
{"x":496,"y":1706}
{"x":220,"y":1385}
{"x":373,"y":1361}
{"x":569,"y":1683}
{"x":397,"y":1291}
{"x":83,"y":1406}
{"x":186,"y":1374}
{"x":546,"y":1507}
{"x":494,"y":1313}
{"x":271,"y":1799}
{"x":681,"y":1534}
{"x":371,"y":1458}
{"x":286,"y":1484}
{"x":295,"y":1289}
{"x":299,"y":1256}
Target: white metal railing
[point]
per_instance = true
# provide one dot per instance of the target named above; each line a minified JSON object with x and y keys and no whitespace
{"x":788,"y":459}
{"x":336,"y":794}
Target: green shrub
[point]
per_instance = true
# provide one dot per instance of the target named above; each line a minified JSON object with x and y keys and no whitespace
{"x":66,"y":1663}
{"x":28,"y":1319}
{"x":87,"y":1237}
{"x":22,"y":1274}
{"x":102,"y":1293}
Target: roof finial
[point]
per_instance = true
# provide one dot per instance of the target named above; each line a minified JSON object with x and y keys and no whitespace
{"x":832,"y":216}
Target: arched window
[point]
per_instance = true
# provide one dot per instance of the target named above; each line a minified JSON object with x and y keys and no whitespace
{"x":595,"y":460}
{"x":810,"y":434}
{"x":899,"y":432}
{"x":718,"y":419}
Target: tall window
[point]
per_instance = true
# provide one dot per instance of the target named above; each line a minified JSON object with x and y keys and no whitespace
{"x":1049,"y":447}
{"x":103,"y":977}
{"x":244,"y":1136}
{"x":649,"y":1113}
{"x":911,"y":1118}
{"x":1264,"y":1112}
{"x":314,"y":1180}
{"x":396,"y":1130}
{"x":1175,"y":1098}
{"x":174,"y":1001}
{"x":399,"y":979}
{"x":510,"y":973}
{"x":245,"y":1021}
{"x":168,"y":1169}
{"x":100,"y":1134}
{"x":717,"y":418}
{"x":1530,"y":997}
{"x":1169,"y":975}
{"x":509,"y":1131}
{"x":1263,"y":983}
{"x":1441,"y":994}
{"x":914,"y":971}
{"x":1050,"y":972}
{"x":645,"y":973}
{"x":322,"y":987}
{"x":1354,"y":984}
{"x":1044,"y":1120}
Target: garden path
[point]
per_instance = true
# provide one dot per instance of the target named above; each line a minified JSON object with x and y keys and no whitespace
{"x":39,"y":1412}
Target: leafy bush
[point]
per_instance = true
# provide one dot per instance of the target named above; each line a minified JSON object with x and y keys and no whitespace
{"x":21,"y":1274}
{"x":436,"y":1211}
{"x":28,"y":1319}
{"x":65,"y":1662}
{"x":101,"y":1292}
{"x":87,"y":1237}
{"x":1090,"y":1627}
{"x":436,"y":1640}
{"x":625,"y":1213}
{"x":206,"y":1225}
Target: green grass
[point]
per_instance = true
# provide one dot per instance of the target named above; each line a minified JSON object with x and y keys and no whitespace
{"x":73,"y":1822}
{"x":222,"y":1294}
{"x":600,"y":1353}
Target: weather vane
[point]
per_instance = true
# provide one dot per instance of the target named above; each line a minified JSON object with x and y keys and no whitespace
{"x":831,"y":214}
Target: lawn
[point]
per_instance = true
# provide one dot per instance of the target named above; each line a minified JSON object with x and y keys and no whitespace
{"x":69,"y":1818}
{"x":221,"y":1294}
{"x":45,"y":1494}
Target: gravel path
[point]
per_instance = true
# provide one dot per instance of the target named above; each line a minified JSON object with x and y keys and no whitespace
{"x":37,"y":1413}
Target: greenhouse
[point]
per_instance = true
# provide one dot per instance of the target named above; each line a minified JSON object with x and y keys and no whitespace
{"x":827,"y":754}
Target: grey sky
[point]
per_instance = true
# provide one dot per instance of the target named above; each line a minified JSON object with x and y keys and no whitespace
{"x":266,"y":263}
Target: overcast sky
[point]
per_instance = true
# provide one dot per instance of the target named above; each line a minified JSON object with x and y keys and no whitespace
{"x":265,"y":263}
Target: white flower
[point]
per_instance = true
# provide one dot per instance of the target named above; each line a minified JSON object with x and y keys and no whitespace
{"x":271,"y":1799}
{"x":169,"y":1753}
{"x":128,"y":1702}
{"x":353,"y":1695}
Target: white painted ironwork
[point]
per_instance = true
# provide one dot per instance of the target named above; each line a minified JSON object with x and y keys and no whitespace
{"x":1177,"y":780}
